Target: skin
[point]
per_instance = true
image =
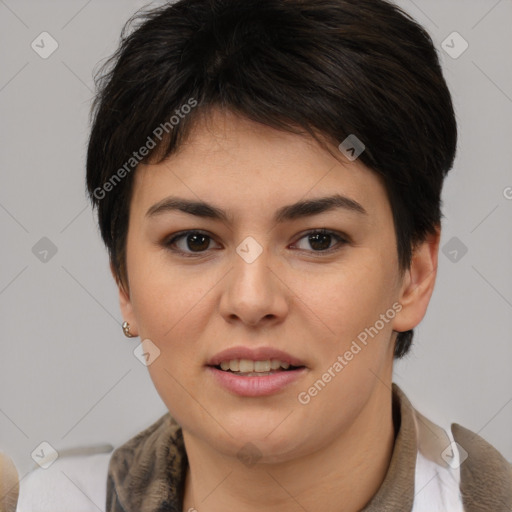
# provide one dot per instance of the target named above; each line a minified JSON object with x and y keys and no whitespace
{"x":333,"y":453}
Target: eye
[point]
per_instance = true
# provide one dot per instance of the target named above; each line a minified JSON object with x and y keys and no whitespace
{"x":320,"y":240}
{"x":195,"y":242}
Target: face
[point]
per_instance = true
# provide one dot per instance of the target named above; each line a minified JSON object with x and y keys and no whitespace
{"x":265,"y":276}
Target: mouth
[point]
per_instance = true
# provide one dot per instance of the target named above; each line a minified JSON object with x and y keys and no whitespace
{"x":255,"y":372}
{"x":262,"y":368}
{"x":246,"y":359}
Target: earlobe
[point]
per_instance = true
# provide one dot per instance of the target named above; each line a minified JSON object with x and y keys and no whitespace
{"x":125,"y":303}
{"x":418,"y":283}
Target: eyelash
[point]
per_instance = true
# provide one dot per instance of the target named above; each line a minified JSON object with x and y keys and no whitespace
{"x":342,"y":240}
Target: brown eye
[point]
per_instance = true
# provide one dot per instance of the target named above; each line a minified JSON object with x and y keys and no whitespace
{"x":191,"y":242}
{"x":197,"y":242}
{"x":320,"y":240}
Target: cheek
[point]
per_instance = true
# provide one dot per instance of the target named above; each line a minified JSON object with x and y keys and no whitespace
{"x":349,"y":298}
{"x":162,"y":291}
{"x":169,"y":307}
{"x":168,"y":303}
{"x":350,"y":302}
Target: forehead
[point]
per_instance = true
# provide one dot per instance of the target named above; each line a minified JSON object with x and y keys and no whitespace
{"x":238,"y":163}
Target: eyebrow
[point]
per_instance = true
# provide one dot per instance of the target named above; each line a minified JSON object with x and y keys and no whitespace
{"x":290,"y":212}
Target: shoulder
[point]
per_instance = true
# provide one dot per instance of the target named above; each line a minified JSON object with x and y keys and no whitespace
{"x":456,"y":469}
{"x":485,"y":475}
{"x":72,"y":482}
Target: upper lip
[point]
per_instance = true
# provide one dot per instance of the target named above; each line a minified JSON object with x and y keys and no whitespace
{"x":253,"y":354}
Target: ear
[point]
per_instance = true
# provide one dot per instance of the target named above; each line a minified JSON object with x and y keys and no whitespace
{"x":418,"y":283}
{"x":125,"y":302}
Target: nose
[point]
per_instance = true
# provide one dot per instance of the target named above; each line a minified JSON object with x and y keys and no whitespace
{"x":254,"y":292}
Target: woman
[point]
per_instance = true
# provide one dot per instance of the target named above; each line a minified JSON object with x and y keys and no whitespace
{"x":267,"y":177}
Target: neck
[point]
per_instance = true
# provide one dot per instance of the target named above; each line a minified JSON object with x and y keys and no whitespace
{"x":341,"y":476}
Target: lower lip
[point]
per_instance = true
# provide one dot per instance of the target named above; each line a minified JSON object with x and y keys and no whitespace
{"x":256,"y":386}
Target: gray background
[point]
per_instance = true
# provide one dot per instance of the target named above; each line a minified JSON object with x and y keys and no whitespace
{"x":69,"y":376}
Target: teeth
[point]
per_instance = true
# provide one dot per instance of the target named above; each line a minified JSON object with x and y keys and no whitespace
{"x":248,"y":366}
{"x":262,"y":366}
{"x":275,"y":364}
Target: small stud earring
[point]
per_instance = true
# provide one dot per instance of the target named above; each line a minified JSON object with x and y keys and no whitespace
{"x":126,"y":330}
